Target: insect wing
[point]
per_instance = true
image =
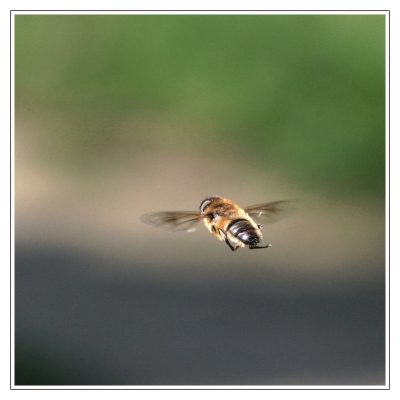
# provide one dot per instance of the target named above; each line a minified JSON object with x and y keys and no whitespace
{"x":269,"y":212}
{"x":173,"y":221}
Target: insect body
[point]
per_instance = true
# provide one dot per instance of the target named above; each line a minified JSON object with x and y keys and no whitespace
{"x":223,"y":218}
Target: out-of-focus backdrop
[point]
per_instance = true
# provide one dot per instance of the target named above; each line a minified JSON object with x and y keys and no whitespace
{"x":119,"y":115}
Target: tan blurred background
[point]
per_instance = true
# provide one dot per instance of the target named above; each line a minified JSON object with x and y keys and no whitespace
{"x":121,"y":115}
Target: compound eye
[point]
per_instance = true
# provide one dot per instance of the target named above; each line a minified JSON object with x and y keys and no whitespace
{"x":205,"y":203}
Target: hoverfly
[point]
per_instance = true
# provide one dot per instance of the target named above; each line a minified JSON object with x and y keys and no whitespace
{"x":223,"y":218}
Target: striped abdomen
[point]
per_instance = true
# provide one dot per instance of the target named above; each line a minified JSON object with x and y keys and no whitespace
{"x":243,"y":230}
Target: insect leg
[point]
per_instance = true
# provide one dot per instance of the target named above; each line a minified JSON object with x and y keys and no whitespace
{"x":259,"y":247}
{"x":227,"y":241}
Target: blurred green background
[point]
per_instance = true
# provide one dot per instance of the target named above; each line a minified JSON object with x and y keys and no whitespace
{"x":119,"y":115}
{"x":300,"y":93}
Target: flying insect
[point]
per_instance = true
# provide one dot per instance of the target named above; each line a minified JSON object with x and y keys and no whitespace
{"x":223,"y":218}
